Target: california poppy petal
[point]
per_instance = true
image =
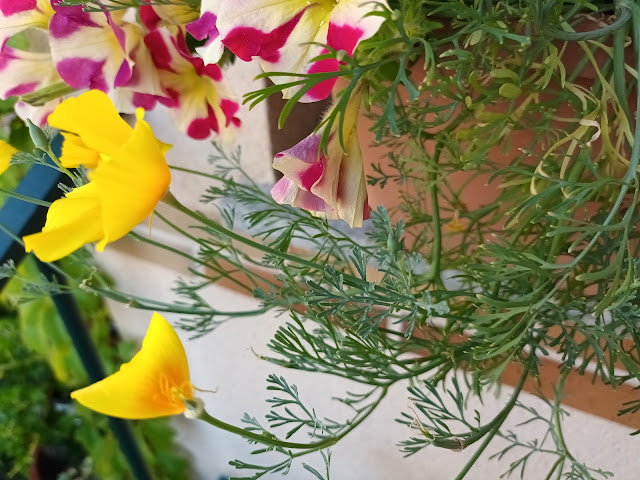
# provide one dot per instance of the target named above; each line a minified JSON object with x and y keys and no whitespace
{"x":6,"y":152}
{"x":154,"y":383}
{"x":93,"y":118}
{"x":131,"y":183}
{"x":71,"y":222}
{"x":129,"y":176}
{"x":76,"y":153}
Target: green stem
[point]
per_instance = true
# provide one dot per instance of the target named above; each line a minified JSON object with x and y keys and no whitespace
{"x":368,"y":411}
{"x":266,"y":440}
{"x":557,"y":421}
{"x":619,"y":72}
{"x":623,"y":17}
{"x":197,"y":260}
{"x":349,"y":280}
{"x":275,"y":442}
{"x":58,"y":163}
{"x":436,"y":251}
{"x":194,"y":172}
{"x":146,"y":303}
{"x":149,"y":304}
{"x":44,"y":95}
{"x":249,"y":273}
{"x":135,"y":301}
{"x":336,"y":233}
{"x":24,"y":198}
{"x":554,"y":467}
{"x":173,"y":202}
{"x":491,"y":428}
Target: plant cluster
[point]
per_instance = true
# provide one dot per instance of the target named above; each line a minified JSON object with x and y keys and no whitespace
{"x":536,"y":98}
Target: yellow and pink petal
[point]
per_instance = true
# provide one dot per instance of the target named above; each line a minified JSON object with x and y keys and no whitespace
{"x":332,"y":187}
{"x":335,"y":176}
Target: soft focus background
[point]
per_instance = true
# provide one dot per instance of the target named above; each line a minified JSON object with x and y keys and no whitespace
{"x":228,"y":359}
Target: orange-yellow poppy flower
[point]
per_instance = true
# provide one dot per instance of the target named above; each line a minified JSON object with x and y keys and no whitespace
{"x":6,"y":152}
{"x":129,"y":176}
{"x":155,"y":383}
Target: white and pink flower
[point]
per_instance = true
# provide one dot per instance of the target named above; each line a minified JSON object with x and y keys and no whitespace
{"x":18,"y":15}
{"x":89,"y":49}
{"x":330,"y":185}
{"x":155,"y":16}
{"x":206,"y":28}
{"x":38,"y":114}
{"x":23,"y":72}
{"x":201,"y":104}
{"x":281,"y":34}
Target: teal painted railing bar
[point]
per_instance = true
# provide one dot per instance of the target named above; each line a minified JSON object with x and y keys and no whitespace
{"x":82,"y":342}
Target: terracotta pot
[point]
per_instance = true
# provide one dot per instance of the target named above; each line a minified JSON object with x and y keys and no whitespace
{"x":478,"y":191}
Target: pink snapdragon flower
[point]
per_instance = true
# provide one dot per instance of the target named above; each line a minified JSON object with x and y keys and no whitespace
{"x":23,"y":72}
{"x":201,"y":104}
{"x":331,"y":184}
{"x":89,"y":49}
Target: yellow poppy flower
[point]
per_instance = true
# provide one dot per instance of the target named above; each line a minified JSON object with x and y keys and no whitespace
{"x":129,"y":177}
{"x":155,"y":383}
{"x":6,"y":152}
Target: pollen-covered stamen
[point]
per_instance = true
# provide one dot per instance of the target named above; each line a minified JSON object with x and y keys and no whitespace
{"x":176,"y":393}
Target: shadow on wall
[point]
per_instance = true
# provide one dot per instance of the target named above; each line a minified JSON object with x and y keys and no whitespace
{"x":302,"y":120}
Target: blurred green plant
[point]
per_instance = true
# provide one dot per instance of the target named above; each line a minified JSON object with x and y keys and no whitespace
{"x":39,"y":367}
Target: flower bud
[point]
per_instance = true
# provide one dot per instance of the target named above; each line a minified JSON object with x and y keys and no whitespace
{"x":39,"y":138}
